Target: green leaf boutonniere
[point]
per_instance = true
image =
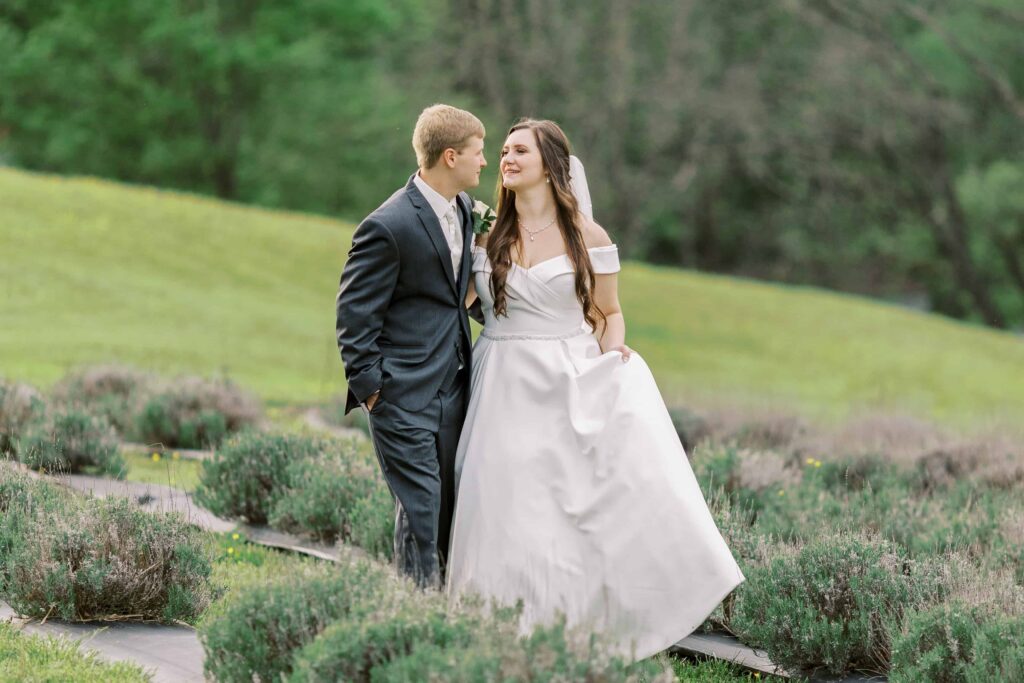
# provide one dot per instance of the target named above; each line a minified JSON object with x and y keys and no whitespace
{"x":483,"y":218}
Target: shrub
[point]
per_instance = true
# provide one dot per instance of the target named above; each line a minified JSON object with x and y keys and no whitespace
{"x":748,"y":546}
{"x":70,"y":440}
{"x":832,"y":603}
{"x":15,"y":485}
{"x":255,"y":635}
{"x":249,"y":472}
{"x":321,"y":492}
{"x":373,"y":523}
{"x":19,"y":491}
{"x":717,"y":465}
{"x":935,"y":645}
{"x":195,"y":413}
{"x":998,"y":651}
{"x":354,"y":650}
{"x":498,"y":654}
{"x":112,"y":391}
{"x":86,"y":558}
{"x":20,"y":405}
{"x":954,"y":643}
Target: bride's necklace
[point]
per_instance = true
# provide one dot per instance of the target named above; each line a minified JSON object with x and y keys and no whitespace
{"x":537,"y":232}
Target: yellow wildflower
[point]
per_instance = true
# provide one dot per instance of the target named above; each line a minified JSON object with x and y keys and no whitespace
{"x":782,"y":492}
{"x":176,"y":455}
{"x":817,"y":463}
{"x":156,"y":457}
{"x":810,"y":461}
{"x":231,"y":551}
{"x":235,"y":537}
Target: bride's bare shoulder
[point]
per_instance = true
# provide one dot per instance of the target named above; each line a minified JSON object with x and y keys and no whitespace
{"x":593,"y":234}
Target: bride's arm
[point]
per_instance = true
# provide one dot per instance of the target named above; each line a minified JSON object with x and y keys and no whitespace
{"x":480,"y":241}
{"x":611,"y":333}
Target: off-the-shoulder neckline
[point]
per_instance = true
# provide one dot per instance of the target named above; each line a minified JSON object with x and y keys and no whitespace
{"x":609,"y":247}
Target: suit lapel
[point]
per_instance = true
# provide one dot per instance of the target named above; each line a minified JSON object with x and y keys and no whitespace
{"x":467,"y":245}
{"x":428,"y":219}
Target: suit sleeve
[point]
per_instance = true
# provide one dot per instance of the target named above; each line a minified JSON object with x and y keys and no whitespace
{"x":367,"y":284}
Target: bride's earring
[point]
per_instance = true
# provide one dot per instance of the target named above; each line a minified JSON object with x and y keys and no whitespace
{"x":547,"y":179}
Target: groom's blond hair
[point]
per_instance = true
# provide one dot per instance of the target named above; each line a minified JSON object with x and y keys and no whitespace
{"x":439,"y":127}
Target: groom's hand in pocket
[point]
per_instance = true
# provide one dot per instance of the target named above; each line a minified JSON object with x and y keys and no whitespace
{"x":372,"y":400}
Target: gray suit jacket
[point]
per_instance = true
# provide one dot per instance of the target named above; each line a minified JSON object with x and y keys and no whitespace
{"x":402,"y":325}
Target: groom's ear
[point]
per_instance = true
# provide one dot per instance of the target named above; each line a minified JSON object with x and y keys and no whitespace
{"x":448,"y":157}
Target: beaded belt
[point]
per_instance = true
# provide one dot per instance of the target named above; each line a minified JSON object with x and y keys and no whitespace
{"x":542,"y":337}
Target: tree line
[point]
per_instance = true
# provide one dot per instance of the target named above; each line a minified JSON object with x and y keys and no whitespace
{"x":865,"y":146}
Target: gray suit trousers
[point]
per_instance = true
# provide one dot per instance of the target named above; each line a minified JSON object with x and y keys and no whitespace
{"x":416,"y":451}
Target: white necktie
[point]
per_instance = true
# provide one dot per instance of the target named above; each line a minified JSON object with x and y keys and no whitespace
{"x":452,"y":235}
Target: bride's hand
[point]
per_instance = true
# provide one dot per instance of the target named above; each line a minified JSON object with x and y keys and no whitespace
{"x":624,"y":350}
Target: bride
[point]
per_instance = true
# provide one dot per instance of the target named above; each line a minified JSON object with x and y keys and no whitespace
{"x":574,"y":494}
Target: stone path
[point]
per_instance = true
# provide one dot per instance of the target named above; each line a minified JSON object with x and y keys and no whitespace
{"x":174,"y":652}
{"x":722,"y":646}
{"x":150,"y":497}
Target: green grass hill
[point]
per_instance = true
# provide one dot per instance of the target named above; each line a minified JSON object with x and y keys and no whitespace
{"x":94,"y":271}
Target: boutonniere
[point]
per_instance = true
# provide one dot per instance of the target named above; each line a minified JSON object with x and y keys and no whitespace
{"x":483,"y":218}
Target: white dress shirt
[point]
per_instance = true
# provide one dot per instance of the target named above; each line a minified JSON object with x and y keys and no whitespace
{"x":448,"y":216}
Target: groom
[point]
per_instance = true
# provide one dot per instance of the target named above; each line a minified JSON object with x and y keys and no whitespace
{"x":404,"y":336}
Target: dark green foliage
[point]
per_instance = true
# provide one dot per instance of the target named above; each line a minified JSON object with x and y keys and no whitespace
{"x":717,"y":467}
{"x":20,"y":404}
{"x":832,"y":604}
{"x":373,"y":523}
{"x":498,"y":654}
{"x":70,"y":439}
{"x":354,"y":650}
{"x":194,"y":413}
{"x":241,"y":100}
{"x":956,"y":643}
{"x":329,"y":489}
{"x":998,"y":651}
{"x":322,"y":492}
{"x":158,"y":423}
{"x":249,"y":472}
{"x":260,"y":631}
{"x":85,"y":558}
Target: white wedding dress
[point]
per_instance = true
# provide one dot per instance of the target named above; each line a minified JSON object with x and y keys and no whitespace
{"x":573,"y":491}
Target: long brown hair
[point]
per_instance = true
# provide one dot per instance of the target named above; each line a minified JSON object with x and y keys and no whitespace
{"x":554,"y":152}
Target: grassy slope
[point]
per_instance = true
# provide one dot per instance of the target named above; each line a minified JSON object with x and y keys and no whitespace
{"x":92,"y":271}
{"x":26,"y":658}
